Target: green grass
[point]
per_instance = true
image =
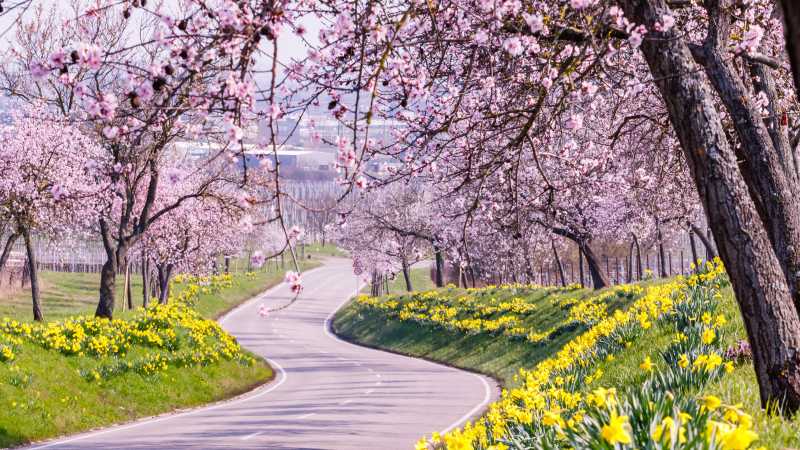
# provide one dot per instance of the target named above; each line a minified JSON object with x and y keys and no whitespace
{"x":67,"y":294}
{"x":213,"y":306}
{"x":495,"y":355}
{"x":501,"y":357}
{"x":420,"y":281}
{"x":42,"y":394}
{"x":52,"y":399}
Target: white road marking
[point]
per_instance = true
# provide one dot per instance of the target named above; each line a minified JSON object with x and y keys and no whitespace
{"x":486,"y":399}
{"x":346,"y":401}
{"x":370,"y":391}
{"x":305,"y":416}
{"x":250,"y":436}
{"x":256,"y":394}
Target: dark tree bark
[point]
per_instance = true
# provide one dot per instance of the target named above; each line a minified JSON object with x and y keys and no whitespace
{"x":407,"y":275}
{"x":711,"y":253}
{"x":108,"y":273}
{"x":761,"y":288}
{"x":164,"y":275}
{"x":599,"y":279}
{"x":559,"y":267}
{"x":693,"y":245}
{"x":766,"y":168}
{"x":791,"y":32}
{"x":128,"y":291}
{"x":638,"y":257}
{"x":629,"y":267}
{"x":7,"y":249}
{"x":580,"y":267}
{"x":145,"y":281}
{"x":437,"y":253}
{"x":662,"y":259}
{"x":34,"y":274}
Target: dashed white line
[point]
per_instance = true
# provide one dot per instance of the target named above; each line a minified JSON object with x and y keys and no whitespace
{"x":370,"y":391}
{"x":305,"y":416}
{"x":346,"y":401}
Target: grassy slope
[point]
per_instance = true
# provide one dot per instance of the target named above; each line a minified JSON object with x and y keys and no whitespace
{"x":42,"y":394}
{"x":492,"y":357}
{"x":497,"y":356}
{"x":67,"y":294}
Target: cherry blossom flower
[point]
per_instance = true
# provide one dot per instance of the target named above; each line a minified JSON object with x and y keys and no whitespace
{"x":293,"y":279}
{"x":751,"y":39}
{"x":263,"y":311}
{"x":513,"y":46}
{"x":39,"y":71}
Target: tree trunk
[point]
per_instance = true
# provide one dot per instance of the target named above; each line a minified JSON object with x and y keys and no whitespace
{"x":767,"y":171}
{"x":7,"y":249}
{"x":437,"y":253}
{"x":35,"y":294}
{"x":629,"y":268}
{"x":638,"y":257}
{"x":580,"y":267}
{"x":108,"y":278}
{"x":599,"y":279}
{"x":145,"y":280}
{"x":710,"y":252}
{"x":407,"y":275}
{"x":128,"y":293}
{"x":558,"y":264}
{"x":693,"y":245}
{"x":791,"y":31}
{"x":761,"y":288}
{"x":164,"y":275}
{"x":662,"y":260}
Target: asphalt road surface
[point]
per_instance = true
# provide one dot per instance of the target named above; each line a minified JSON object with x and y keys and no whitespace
{"x":327,"y":394}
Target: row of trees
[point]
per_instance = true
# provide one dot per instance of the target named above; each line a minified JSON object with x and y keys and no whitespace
{"x":583,"y":119}
{"x":588,"y":119}
{"x":104,"y":91}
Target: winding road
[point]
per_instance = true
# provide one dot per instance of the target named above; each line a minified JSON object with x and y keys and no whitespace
{"x":327,"y":394}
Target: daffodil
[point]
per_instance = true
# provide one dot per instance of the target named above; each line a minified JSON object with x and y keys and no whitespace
{"x":616,"y":431}
{"x":647,"y":364}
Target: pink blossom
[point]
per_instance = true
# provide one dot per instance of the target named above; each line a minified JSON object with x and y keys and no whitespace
{"x":574,"y":122}
{"x":344,"y":24}
{"x":275,"y":111}
{"x":361,"y":182}
{"x":294,"y":280}
{"x":89,"y":55}
{"x":263,"y":311}
{"x":145,"y":91}
{"x":513,"y":46}
{"x":111,"y":132}
{"x":579,"y":4}
{"x":295,"y":232}
{"x":58,"y":58}
{"x":39,"y":71}
{"x":58,"y":192}
{"x":666,"y":23}
{"x":257,"y":259}
{"x":233,"y":132}
{"x":751,"y":39}
{"x":535,"y":22}
{"x":481,"y":37}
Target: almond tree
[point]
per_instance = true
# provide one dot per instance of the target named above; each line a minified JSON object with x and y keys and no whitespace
{"x":49,"y":181}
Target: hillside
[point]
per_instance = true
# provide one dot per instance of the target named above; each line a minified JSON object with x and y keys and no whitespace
{"x":639,"y":366}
